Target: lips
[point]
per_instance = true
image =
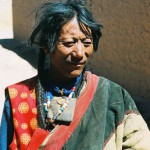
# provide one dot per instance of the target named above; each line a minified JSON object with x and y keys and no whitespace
{"x":76,"y":63}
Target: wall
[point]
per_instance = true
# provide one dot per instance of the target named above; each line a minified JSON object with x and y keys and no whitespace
{"x":124,"y":51}
{"x":23,"y":17}
{"x":124,"y":54}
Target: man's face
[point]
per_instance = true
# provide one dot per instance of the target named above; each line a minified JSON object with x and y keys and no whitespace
{"x":72,"y":50}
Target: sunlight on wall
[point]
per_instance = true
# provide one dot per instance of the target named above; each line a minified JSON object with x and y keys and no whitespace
{"x":6,"y":19}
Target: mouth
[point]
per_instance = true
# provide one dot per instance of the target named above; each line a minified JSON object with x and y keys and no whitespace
{"x":76,"y":64}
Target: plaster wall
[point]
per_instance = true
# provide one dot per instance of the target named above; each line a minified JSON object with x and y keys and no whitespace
{"x":124,"y":50}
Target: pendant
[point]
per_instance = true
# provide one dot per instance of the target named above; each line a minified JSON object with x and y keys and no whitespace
{"x":61,"y":92}
{"x":61,"y":100}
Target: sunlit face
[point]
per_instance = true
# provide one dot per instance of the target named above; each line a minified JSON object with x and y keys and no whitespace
{"x":72,"y":51}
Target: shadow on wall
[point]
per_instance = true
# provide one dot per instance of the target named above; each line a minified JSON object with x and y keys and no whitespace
{"x":21,"y":49}
{"x":143,"y":107}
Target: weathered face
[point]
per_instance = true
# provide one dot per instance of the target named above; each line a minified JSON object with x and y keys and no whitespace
{"x":72,"y":51}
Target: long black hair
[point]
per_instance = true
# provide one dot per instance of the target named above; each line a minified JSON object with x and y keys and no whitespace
{"x":50,"y":18}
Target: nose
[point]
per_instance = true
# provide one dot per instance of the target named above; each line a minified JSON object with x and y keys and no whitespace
{"x":78,"y":50}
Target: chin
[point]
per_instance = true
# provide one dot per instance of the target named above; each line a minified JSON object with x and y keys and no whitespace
{"x":74,"y":73}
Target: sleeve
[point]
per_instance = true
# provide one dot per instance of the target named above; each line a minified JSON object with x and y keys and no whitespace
{"x":136,"y":135}
{"x":6,"y":128}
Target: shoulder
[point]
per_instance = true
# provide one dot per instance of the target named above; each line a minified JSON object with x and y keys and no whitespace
{"x":25,"y":86}
{"x":114,"y":89}
{"x":114,"y":94}
{"x":108,"y":84}
{"x":104,"y":82}
{"x":22,"y":92}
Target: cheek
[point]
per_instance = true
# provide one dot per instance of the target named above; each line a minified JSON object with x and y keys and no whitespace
{"x":89,"y":50}
{"x":62,"y":50}
{"x":57,"y":58}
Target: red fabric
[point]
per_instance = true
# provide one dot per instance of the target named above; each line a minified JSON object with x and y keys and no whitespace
{"x":37,"y":138}
{"x":62,"y":133}
{"x":23,"y":103}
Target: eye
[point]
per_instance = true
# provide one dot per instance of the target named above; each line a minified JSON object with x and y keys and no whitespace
{"x":87,"y":42}
{"x":68,"y":43}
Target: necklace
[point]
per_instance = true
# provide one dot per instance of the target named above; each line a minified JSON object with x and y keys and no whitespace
{"x":62,"y":101}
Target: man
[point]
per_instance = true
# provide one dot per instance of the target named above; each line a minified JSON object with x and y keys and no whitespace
{"x":75,"y":108}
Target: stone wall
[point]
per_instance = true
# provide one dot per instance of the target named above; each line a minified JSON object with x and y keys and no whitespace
{"x":124,"y":51}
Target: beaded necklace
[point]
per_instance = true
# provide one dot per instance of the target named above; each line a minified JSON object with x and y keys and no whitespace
{"x":62,"y":101}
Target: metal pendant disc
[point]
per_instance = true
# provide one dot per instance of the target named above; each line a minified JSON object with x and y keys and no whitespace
{"x":61,"y":100}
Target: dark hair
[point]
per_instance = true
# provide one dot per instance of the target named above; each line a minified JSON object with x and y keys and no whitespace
{"x":53,"y":15}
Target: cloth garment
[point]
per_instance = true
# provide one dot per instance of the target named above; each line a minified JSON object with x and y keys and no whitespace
{"x":23,"y":103}
{"x":110,"y":121}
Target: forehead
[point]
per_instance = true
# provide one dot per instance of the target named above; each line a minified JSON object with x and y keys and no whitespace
{"x":73,"y":29}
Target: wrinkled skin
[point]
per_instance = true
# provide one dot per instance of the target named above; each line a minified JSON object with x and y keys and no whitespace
{"x":72,"y":52}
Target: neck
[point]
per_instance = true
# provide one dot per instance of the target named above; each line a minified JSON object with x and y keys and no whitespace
{"x":58,"y":78}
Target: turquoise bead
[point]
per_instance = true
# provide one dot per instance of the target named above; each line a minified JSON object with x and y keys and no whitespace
{"x":45,"y":109}
{"x":61,"y":108}
{"x":48,"y":97}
